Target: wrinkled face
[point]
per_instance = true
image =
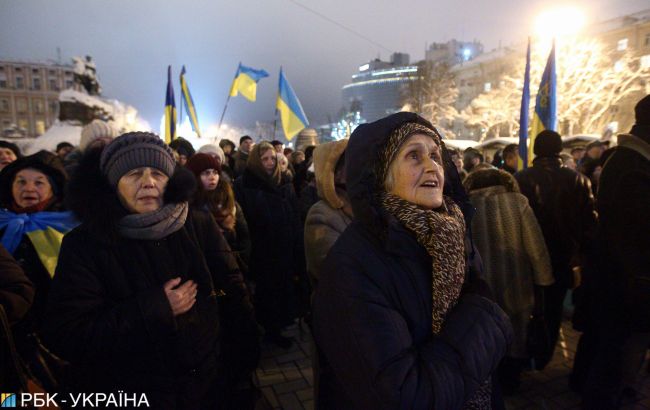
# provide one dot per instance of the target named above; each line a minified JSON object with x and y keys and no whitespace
{"x":7,"y":156}
{"x":417,"y":174}
{"x":269,"y":159}
{"x":141,"y":189}
{"x":210,"y":179}
{"x":31,"y":187}
{"x":246,"y":146}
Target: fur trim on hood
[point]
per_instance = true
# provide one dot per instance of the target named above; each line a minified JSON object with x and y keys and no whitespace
{"x":486,"y":178}
{"x":95,"y":202}
{"x":325,"y":158}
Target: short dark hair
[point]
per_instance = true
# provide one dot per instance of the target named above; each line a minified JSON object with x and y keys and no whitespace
{"x":275,"y":143}
{"x":510,"y":150}
{"x":62,"y":145}
{"x":244,"y":138}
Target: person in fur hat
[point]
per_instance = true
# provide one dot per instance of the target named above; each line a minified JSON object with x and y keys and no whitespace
{"x":133,"y":304}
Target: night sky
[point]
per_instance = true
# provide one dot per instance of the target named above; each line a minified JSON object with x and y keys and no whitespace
{"x":133,"y":41}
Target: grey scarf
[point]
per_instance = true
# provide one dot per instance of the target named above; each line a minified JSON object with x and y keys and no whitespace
{"x":154,"y":225}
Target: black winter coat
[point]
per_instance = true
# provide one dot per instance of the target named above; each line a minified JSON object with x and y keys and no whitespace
{"x":372,"y":310}
{"x":108,"y":313}
{"x":276,"y":246}
{"x":619,"y":287}
{"x":16,"y":290}
{"x":564,"y":206}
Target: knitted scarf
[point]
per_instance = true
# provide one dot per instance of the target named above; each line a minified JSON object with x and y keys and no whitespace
{"x":154,"y":225}
{"x":442,"y":234}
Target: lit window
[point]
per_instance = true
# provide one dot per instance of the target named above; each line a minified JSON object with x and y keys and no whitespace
{"x":487,"y":87}
{"x":40,"y":127}
{"x":622,"y":44}
{"x":645,"y":61}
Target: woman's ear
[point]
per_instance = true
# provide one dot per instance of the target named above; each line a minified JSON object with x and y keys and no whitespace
{"x":180,"y":187}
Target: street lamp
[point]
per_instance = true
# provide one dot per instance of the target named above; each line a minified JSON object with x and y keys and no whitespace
{"x":559,"y":22}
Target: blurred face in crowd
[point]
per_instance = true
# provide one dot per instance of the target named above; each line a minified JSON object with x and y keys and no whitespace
{"x":595,"y":152}
{"x":7,"y":156}
{"x":141,"y":189}
{"x":63,"y":152}
{"x":417,"y":174}
{"x":457,"y":159}
{"x":227,"y":149}
{"x":577,"y":154}
{"x":226,"y":218}
{"x":210,"y":179}
{"x":31,"y":187}
{"x":269,"y":160}
{"x":299,"y":158}
{"x":180,"y":158}
{"x":246,"y":145}
{"x":569,"y":163}
{"x":284,"y":162}
{"x":511,"y":159}
{"x":279,"y":148}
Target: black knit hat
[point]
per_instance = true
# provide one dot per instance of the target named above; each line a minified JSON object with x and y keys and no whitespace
{"x":13,"y":147}
{"x":547,"y":144}
{"x":134,"y":150}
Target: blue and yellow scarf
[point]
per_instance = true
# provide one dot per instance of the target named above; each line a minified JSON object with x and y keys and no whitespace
{"x":44,"y":229}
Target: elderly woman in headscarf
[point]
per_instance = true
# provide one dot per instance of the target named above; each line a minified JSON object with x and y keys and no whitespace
{"x":276,"y":236}
{"x":32,"y":225}
{"x":389,"y":315}
{"x":515,"y":258}
{"x":133,"y":305}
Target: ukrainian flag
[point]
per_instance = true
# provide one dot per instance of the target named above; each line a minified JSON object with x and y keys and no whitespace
{"x":44,"y":229}
{"x":170,"y":109}
{"x":245,"y":82}
{"x":189,"y":104}
{"x":545,"y":116}
{"x":291,"y":113}
{"x":523,"y":115}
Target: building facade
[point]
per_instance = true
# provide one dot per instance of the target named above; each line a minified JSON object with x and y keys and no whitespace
{"x":376,"y":90}
{"x":29,"y":96}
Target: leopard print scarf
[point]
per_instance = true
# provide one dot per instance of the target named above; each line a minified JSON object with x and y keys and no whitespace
{"x":442,"y":234}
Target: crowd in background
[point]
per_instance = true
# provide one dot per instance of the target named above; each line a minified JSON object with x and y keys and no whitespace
{"x":428,"y":276}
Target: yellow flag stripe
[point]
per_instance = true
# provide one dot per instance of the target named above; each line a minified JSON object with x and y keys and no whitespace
{"x":291,"y":124}
{"x":47,"y":244}
{"x":535,"y":128}
{"x":245,"y":85}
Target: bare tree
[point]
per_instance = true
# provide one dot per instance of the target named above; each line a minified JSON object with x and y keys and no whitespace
{"x":432,"y":95}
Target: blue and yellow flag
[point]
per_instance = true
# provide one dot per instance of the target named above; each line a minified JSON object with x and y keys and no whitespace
{"x":170,"y":109}
{"x":291,"y":113}
{"x":523,"y":115}
{"x":189,"y":104}
{"x":545,"y":116}
{"x":44,"y":229}
{"x":245,"y":82}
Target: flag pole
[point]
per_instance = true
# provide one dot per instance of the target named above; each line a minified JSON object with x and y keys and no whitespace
{"x":180,"y":121}
{"x":225,"y":107}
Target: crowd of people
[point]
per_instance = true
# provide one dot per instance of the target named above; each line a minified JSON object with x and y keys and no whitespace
{"x":428,"y":277}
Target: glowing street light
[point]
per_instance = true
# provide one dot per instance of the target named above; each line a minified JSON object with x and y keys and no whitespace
{"x":559,"y":22}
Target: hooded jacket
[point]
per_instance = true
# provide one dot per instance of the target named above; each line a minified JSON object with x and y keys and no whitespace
{"x":326,"y":219}
{"x":373,"y":308}
{"x":108,"y":314}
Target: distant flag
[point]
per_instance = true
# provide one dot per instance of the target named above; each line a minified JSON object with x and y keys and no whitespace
{"x":245,"y":82}
{"x":291,"y":113}
{"x":523,"y":115}
{"x":545,"y":116}
{"x":189,"y":104}
{"x":170,"y":109}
